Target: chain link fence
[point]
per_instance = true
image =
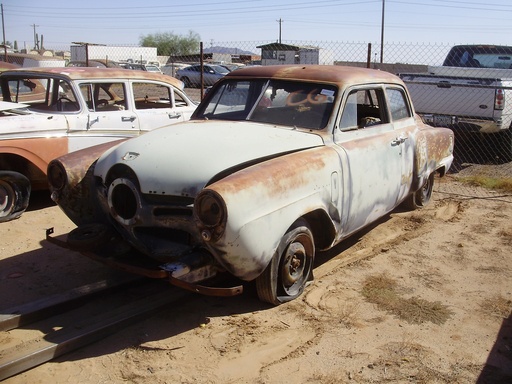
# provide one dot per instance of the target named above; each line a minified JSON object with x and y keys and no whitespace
{"x":477,"y":154}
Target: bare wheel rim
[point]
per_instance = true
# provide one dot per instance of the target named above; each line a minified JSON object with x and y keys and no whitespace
{"x":425,"y":192}
{"x":296,"y":265}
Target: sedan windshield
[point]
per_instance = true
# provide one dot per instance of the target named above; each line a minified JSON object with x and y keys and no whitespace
{"x":288,"y":103}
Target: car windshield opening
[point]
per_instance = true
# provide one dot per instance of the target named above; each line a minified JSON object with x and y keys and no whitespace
{"x":287,"y":103}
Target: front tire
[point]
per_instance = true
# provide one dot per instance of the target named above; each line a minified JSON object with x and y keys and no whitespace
{"x":291,"y":267}
{"x":422,"y":196}
{"x":14,"y":195}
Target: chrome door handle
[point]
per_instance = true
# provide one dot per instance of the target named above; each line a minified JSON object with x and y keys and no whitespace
{"x":399,"y":140}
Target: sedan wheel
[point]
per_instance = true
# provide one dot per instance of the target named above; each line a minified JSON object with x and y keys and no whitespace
{"x":14,"y":195}
{"x":286,"y":276}
{"x":422,"y":196}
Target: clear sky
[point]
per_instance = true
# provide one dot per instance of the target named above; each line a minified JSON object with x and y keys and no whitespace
{"x":114,"y":22}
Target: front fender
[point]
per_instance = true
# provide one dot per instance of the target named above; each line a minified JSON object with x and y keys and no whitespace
{"x":265,"y":199}
{"x":72,"y":184}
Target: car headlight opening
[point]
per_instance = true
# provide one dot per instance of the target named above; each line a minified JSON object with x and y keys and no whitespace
{"x":57,"y":176}
{"x":210,"y":209}
{"x":123,"y":200}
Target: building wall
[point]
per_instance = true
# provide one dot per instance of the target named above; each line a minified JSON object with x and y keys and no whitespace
{"x":135,"y":54}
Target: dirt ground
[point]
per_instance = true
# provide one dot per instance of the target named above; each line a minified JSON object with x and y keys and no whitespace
{"x":428,"y":301}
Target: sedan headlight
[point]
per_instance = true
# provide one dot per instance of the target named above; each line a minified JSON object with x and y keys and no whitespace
{"x":210,"y":210}
{"x":57,"y":176}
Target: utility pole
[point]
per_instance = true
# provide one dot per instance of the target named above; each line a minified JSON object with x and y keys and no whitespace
{"x":3,"y":31}
{"x":382,"y":35}
{"x":280,"y":21}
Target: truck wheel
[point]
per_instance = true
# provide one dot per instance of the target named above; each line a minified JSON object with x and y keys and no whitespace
{"x":286,"y":276}
{"x":14,"y":195}
{"x":422,"y":196}
{"x":505,"y":146}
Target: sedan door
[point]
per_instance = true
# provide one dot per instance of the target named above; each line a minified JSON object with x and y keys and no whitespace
{"x":108,"y":109}
{"x":371,"y":155}
{"x":158,"y":105}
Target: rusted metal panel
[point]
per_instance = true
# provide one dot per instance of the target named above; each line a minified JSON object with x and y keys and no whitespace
{"x":93,"y":73}
{"x":341,"y":75}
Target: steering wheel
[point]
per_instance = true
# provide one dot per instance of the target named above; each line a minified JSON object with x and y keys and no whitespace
{"x":63,"y":100}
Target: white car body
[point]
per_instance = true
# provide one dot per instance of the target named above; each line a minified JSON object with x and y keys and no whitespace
{"x":258,"y":179}
{"x":67,"y":109}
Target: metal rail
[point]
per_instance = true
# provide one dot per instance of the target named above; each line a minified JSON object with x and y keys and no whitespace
{"x":18,"y":316}
{"x":74,"y":335}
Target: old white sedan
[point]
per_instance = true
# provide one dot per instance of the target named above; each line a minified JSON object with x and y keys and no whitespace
{"x":276,"y":163}
{"x":70,"y":108}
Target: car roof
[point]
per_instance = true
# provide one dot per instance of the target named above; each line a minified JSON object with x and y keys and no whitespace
{"x":92,"y":73}
{"x":335,"y":74}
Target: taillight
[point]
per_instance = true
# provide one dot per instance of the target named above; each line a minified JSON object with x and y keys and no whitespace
{"x":499,"y":99}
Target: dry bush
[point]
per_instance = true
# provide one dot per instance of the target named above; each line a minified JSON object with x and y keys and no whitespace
{"x":382,"y":291}
{"x":497,"y":306}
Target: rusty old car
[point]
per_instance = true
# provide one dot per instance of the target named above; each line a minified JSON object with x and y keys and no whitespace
{"x":48,"y":112}
{"x":276,"y":163}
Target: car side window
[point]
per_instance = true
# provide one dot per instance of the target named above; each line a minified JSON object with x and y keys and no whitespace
{"x":29,"y":91}
{"x":363,"y":108}
{"x":152,"y":95}
{"x":397,"y":104}
{"x":104,"y":97}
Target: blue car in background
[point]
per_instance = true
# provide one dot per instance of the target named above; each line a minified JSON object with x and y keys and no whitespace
{"x":191,"y":76}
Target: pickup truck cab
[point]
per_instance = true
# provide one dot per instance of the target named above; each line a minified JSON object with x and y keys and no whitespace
{"x":470,"y":93}
{"x":61,"y":110}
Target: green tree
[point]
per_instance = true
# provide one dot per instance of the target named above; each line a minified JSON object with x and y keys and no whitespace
{"x":170,"y":44}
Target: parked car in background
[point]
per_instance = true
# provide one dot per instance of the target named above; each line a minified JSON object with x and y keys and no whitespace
{"x":276,"y":163}
{"x":170,"y":69}
{"x":191,"y":75}
{"x":141,"y":67}
{"x":99,"y":63}
{"x":66,"y":109}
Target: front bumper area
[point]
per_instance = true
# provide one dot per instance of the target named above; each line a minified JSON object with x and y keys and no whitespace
{"x":98,"y":243}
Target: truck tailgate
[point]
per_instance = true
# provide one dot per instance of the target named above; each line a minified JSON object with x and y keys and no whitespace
{"x":446,"y":95}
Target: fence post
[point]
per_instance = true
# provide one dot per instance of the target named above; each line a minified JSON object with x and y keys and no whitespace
{"x":369,"y":56}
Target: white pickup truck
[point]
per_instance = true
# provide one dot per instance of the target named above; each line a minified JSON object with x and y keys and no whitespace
{"x":470,"y":93}
{"x":48,"y":112}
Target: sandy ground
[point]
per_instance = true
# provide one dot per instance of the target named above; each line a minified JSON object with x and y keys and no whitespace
{"x":429,"y":302}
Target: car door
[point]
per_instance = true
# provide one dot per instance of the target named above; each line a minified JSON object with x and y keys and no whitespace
{"x":404,"y":126}
{"x":109,"y":109}
{"x":371,"y":158}
{"x":156,"y":105}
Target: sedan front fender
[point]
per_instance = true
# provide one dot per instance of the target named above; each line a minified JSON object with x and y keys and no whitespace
{"x":264,"y":200}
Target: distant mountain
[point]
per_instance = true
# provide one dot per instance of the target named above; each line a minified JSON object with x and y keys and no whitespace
{"x":226,"y":50}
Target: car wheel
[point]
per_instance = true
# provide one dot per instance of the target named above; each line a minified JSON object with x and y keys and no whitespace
{"x":291,"y":268}
{"x":14,"y":195}
{"x":187,"y":82}
{"x":505,"y":146}
{"x":422,"y":196}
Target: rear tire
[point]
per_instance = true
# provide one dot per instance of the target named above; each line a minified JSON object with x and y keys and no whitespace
{"x":422,"y":196}
{"x":505,"y":146}
{"x":14,"y":195}
{"x":291,"y":267}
